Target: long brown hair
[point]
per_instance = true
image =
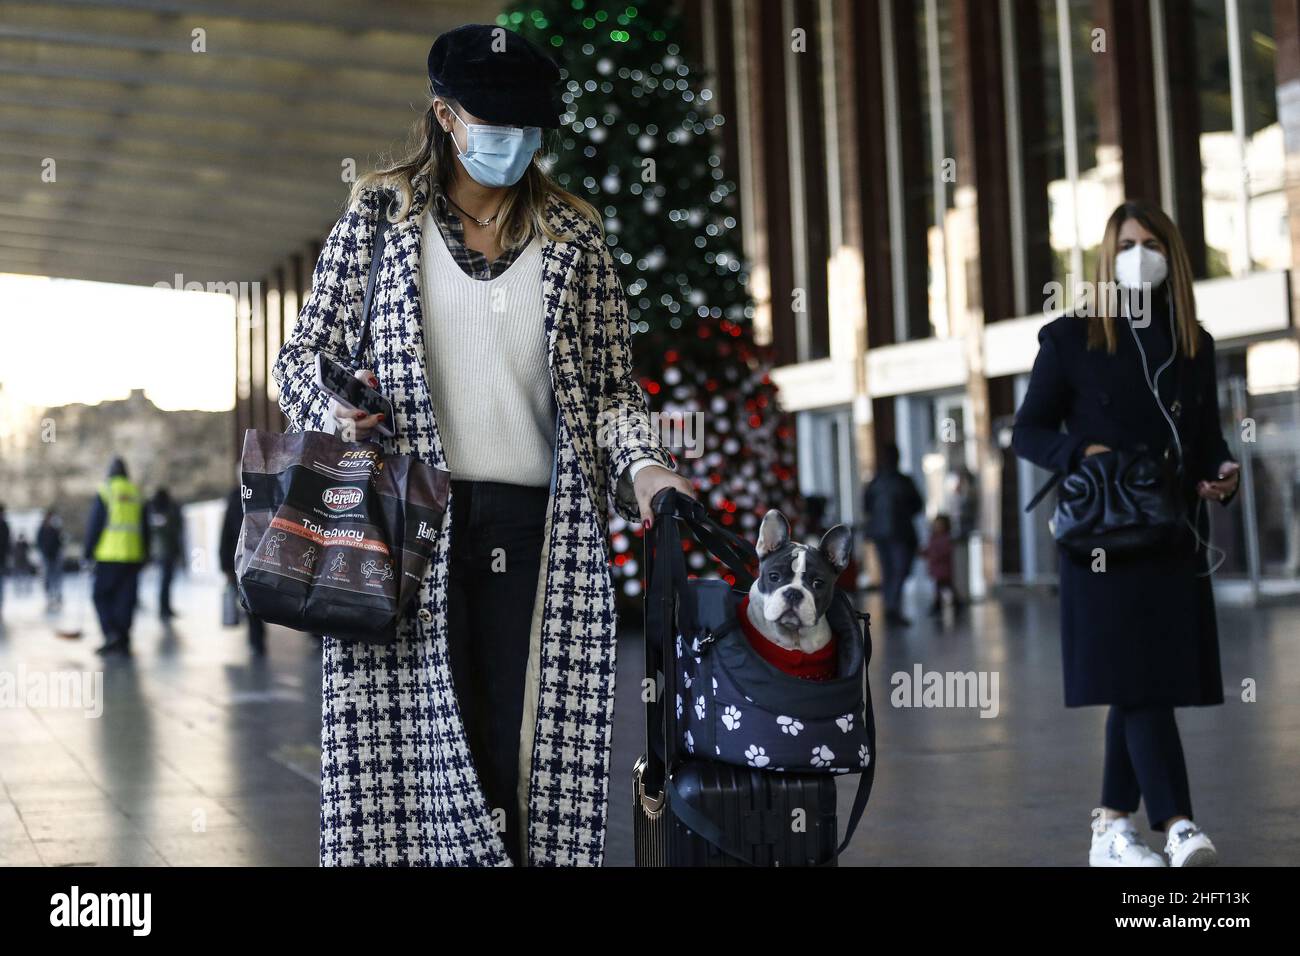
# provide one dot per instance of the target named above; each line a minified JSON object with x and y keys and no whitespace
{"x":432,"y":152}
{"x":1101,"y":330}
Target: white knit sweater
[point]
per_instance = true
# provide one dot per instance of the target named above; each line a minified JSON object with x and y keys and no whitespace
{"x":485,"y":349}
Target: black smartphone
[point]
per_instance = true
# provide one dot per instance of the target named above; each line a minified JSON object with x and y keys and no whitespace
{"x":337,"y":382}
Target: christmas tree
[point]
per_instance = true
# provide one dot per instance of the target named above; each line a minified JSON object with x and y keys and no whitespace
{"x":638,"y":142}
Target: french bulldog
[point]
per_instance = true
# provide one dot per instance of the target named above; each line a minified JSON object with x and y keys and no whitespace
{"x":787,"y":603}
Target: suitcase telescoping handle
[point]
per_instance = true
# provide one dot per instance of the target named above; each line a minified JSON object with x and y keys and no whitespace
{"x":665,"y":578}
{"x":660,"y":613}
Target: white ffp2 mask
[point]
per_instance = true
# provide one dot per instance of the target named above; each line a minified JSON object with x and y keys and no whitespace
{"x":1140,"y":266}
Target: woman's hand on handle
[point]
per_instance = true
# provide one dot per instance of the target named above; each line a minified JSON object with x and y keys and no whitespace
{"x":1095,"y":450}
{"x":652,"y":479}
{"x":352,"y":424}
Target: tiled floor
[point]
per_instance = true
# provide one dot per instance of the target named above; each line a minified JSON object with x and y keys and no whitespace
{"x":204,"y":756}
{"x":953,"y":788}
{"x":201,"y":756}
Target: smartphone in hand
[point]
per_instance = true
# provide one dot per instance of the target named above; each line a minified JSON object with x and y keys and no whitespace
{"x":348,"y":390}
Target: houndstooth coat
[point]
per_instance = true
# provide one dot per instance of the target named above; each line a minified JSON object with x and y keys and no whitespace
{"x":398,"y":786}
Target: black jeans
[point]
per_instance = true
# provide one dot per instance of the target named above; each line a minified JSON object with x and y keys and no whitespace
{"x":1144,"y":761}
{"x":166,"y":571}
{"x":896,"y":556}
{"x":496,"y":547}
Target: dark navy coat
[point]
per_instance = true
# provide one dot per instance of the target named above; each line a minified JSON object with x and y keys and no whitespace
{"x":1143,"y":631}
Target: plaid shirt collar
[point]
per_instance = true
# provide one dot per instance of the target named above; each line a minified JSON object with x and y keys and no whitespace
{"x":472,"y":262}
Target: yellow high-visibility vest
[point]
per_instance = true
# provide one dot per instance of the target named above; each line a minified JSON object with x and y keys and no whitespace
{"x":122,"y":540}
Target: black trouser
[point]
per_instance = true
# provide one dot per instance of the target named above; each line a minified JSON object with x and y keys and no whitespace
{"x":941,"y":585}
{"x":496,"y":546}
{"x":166,"y":570}
{"x":54,"y":579}
{"x":1144,"y":761}
{"x":114,"y":592}
{"x":896,"y":556}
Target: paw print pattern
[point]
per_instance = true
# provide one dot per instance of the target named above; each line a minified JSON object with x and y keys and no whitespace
{"x":715,"y":687}
{"x":686,"y":680}
{"x":679,"y":706}
{"x":789,"y":726}
{"x":822,"y":756}
{"x":845,"y":723}
{"x":730,"y":718}
{"x":699,"y":707}
{"x":690,"y":742}
{"x":756,"y":756}
{"x":864,"y":756}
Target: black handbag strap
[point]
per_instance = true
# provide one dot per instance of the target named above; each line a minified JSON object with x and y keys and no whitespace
{"x":376,"y":253}
{"x":724,"y":544}
{"x":1048,"y":485}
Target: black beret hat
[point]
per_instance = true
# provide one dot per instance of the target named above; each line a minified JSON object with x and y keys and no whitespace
{"x":497,"y":75}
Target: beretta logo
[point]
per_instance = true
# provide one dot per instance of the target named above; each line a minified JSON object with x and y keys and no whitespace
{"x":342,"y":498}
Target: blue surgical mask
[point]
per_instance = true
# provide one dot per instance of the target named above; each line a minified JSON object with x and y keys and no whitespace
{"x":497,"y":156}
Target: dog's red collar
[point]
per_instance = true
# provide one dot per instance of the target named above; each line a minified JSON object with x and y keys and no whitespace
{"x":819,"y":665}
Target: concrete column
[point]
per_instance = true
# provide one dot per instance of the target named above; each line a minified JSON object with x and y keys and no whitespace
{"x":1286,"y":29}
{"x":981,"y":229}
{"x":846,"y":272}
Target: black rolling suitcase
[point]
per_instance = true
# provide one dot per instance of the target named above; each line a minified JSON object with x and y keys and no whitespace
{"x":753,"y":809}
{"x":693,"y":811}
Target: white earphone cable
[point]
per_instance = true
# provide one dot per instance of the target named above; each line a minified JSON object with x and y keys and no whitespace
{"x":1217,"y":556}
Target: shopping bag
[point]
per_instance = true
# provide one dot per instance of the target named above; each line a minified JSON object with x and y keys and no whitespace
{"x":336,"y":535}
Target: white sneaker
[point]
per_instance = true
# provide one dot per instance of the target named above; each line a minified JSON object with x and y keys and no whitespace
{"x":1117,"y":843}
{"x":1189,"y":846}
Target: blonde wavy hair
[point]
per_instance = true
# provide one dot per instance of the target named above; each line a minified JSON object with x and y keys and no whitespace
{"x":1101,"y":330}
{"x":432,"y":152}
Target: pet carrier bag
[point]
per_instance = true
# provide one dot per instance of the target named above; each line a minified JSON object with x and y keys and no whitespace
{"x":735,"y":746}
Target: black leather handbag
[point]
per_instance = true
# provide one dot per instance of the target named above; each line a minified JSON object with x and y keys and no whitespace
{"x":1124,"y":501}
{"x":1121,"y":501}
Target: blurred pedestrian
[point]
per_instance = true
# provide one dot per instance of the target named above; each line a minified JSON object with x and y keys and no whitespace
{"x":890,"y":502}
{"x":938,"y":552}
{"x":165,"y":533}
{"x":23,"y":569}
{"x":229,"y":542}
{"x":117,"y":541}
{"x":4,"y":554}
{"x":49,"y":542}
